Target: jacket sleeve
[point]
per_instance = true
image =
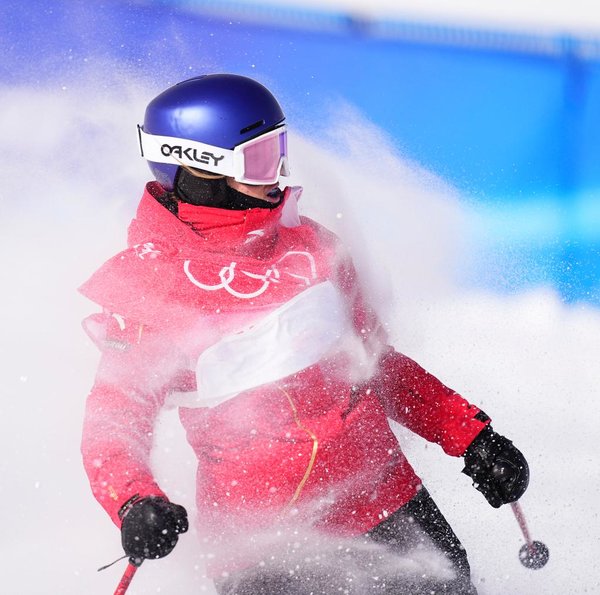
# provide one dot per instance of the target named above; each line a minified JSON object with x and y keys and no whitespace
{"x":416,"y":399}
{"x":121,"y":410}
{"x":364,"y":318}
{"x":409,"y":394}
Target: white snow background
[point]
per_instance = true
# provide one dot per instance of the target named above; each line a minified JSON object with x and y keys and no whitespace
{"x":71,"y":179}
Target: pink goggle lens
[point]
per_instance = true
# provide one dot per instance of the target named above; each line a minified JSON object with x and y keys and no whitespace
{"x":263,"y":159}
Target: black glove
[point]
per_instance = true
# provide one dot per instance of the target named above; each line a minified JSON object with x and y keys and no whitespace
{"x":498,"y":469}
{"x":151,"y":526}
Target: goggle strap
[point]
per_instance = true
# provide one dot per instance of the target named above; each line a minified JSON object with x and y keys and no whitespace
{"x":179,"y":151}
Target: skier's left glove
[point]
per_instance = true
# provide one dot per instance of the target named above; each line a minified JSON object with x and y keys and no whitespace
{"x":150,"y":527}
{"x":498,"y":469}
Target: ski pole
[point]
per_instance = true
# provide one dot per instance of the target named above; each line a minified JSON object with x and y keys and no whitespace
{"x":534,"y":554}
{"x":128,"y":576}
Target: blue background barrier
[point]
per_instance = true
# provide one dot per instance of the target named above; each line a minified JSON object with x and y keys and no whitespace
{"x":510,"y":119}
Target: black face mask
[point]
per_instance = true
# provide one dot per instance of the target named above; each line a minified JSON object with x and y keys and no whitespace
{"x":216,"y":193}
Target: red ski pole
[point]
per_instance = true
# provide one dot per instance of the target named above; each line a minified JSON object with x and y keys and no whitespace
{"x":127,"y":576}
{"x":534,"y":554}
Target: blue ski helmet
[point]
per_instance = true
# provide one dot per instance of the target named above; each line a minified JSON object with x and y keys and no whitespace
{"x":222,"y":110}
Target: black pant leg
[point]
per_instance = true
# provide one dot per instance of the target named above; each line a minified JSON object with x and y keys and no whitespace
{"x":420,"y":520}
{"x":418,"y":523}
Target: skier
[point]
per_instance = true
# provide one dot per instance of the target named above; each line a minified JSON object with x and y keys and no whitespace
{"x":250,"y":319}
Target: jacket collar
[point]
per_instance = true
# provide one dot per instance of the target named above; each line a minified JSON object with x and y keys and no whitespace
{"x":208,"y":226}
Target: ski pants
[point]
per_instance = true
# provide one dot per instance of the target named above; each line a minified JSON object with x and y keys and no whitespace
{"x":394,"y":558}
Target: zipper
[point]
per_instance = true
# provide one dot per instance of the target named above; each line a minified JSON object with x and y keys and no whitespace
{"x":315,"y":448}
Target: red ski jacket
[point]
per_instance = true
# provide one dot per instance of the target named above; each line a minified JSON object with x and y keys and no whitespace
{"x":252,"y":323}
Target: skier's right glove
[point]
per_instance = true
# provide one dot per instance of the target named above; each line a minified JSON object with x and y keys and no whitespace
{"x":498,"y":469}
{"x":150,"y":527}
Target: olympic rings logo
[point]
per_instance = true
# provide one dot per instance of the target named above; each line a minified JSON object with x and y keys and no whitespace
{"x":271,"y":275}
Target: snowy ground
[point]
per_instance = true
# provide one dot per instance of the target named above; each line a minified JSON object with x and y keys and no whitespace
{"x":70,"y":183}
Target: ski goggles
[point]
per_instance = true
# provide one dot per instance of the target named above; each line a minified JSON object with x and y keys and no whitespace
{"x":260,"y":160}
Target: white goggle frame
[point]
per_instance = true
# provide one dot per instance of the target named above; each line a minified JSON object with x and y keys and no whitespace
{"x":227,"y":162}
